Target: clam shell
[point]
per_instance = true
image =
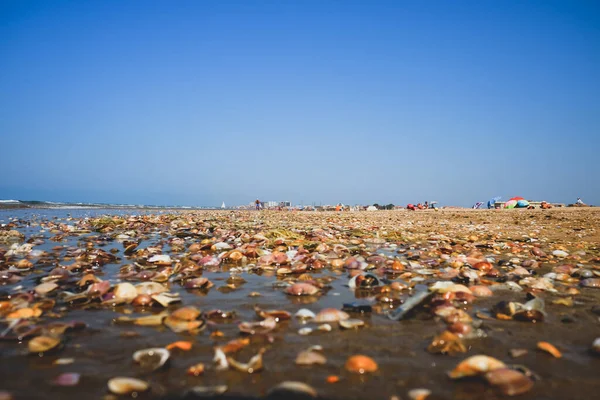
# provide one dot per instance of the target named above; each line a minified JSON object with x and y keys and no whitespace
{"x":153,"y":358}
{"x":476,"y":365}
{"x":331,"y":315}
{"x":124,"y":385}
{"x":45,"y":288}
{"x":41,"y":344}
{"x":208,"y":391}
{"x":509,"y":381}
{"x":305,"y":313}
{"x":178,"y":325}
{"x":254,"y":365}
{"x":125,"y":291}
{"x":351,"y":323}
{"x":310,"y":357}
{"x":186,"y":313}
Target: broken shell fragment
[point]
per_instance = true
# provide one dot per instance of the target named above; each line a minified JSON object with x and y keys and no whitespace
{"x":178,"y":325}
{"x":305,"y":314}
{"x":196,"y":370}
{"x":153,"y":358}
{"x":123,"y":385}
{"x":67,"y":379}
{"x":186,"y":313}
{"x":361,"y":364}
{"x":45,"y":288}
{"x":254,"y":365}
{"x":164,"y":299}
{"x":549,"y":348}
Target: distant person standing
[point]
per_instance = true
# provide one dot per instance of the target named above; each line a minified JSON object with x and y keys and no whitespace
{"x":257,"y":202}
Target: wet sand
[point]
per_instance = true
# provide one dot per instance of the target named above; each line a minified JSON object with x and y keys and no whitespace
{"x":428,"y":246}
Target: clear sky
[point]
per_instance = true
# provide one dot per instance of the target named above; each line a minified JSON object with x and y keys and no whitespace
{"x":199,"y":102}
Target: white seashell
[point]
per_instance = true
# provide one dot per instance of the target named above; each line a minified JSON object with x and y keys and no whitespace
{"x":560,"y":253}
{"x":153,"y":358}
{"x":305,"y":313}
{"x":123,"y":385}
{"x":44,"y":288}
{"x":220,"y":359}
{"x":125,"y":291}
{"x":160,"y":258}
{"x":325,"y":328}
{"x":305,"y":331}
{"x":293,"y":387}
{"x":166,"y":298}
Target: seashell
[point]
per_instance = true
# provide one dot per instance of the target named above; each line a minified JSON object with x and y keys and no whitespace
{"x":304,"y":314}
{"x":549,"y":348}
{"x":233,"y":346}
{"x":363,"y":281}
{"x":181,"y":345}
{"x":160,"y":259}
{"x":98,"y":288}
{"x":596,"y":346}
{"x":64,"y":361}
{"x":142,"y":300}
{"x":560,"y":253}
{"x":67,"y":379}
{"x":279,"y":315}
{"x":151,"y":320}
{"x":45,"y":288}
{"x":509,"y":381}
{"x":302,"y":289}
{"x":208,"y":391}
{"x":178,"y":325}
{"x":220,"y":359}
{"x":164,"y":299}
{"x":254,"y":365}
{"x":361,"y":364}
{"x":331,"y":315}
{"x":153,"y":358}
{"x":262,"y":327}
{"x":123,"y":385}
{"x":591,"y":282}
{"x":186,"y":313}
{"x":308,"y":357}
{"x":196,"y":370}
{"x":198,"y":283}
{"x":481,"y":291}
{"x":325,"y":328}
{"x":536,"y":251}
{"x":352,"y":323}
{"x":150,"y":288}
{"x":448,"y":286}
{"x":447,"y":343}
{"x":419,"y":394}
{"x":125,"y":291}
{"x":284,"y":389}
{"x":42,"y":344}
{"x":475,"y":365}
{"x":305,"y":331}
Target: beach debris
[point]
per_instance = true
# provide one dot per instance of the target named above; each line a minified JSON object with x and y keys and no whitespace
{"x":550,"y":349}
{"x":153,"y":358}
{"x":287,"y":387}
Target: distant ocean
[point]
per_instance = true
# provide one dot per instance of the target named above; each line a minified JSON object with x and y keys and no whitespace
{"x":11,"y":204}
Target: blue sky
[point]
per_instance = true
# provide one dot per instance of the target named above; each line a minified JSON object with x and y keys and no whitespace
{"x":199,"y":102}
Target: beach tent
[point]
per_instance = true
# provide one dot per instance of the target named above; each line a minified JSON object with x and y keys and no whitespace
{"x":510,"y":204}
{"x":478,"y":205}
{"x":522,"y":204}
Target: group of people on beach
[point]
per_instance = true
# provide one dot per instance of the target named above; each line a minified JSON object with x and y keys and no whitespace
{"x":419,"y":206}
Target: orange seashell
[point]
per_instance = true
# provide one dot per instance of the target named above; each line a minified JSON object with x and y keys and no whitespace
{"x":332,"y":379}
{"x":483,"y":266}
{"x":186,"y":313}
{"x":196,"y":370}
{"x":361,"y":364}
{"x":181,"y":345}
{"x":23,"y":313}
{"x":549,"y":348}
{"x":236,"y":345}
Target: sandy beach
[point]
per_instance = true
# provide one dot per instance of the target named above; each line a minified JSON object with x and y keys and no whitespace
{"x":244,"y":301}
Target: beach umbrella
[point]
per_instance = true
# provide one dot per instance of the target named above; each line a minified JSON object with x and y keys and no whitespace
{"x":522,"y":204}
{"x":510,"y":204}
{"x":517,"y":198}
